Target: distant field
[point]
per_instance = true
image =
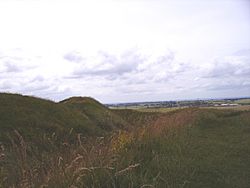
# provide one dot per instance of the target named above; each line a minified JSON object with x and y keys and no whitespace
{"x":165,"y":110}
{"x":240,"y":107}
{"x":157,"y":106}
{"x":161,"y":110}
{"x":242,"y":101}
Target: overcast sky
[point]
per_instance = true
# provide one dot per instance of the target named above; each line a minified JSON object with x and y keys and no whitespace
{"x":125,"y":50}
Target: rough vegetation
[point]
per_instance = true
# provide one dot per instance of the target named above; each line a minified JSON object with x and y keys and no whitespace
{"x":81,"y":143}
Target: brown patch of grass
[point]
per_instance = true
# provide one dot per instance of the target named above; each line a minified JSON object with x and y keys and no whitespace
{"x":182,"y":117}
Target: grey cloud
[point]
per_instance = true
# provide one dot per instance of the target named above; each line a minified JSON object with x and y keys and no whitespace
{"x":5,"y":85}
{"x":166,"y":59}
{"x":15,"y":63}
{"x":132,"y":67}
{"x":74,"y":57}
{"x":132,"y":90}
{"x":230,"y":68}
{"x":24,"y":86}
{"x":3,"y":57}
{"x":44,"y":89}
{"x":168,"y":68}
{"x":12,"y":67}
{"x":111,"y":66}
{"x":37,"y":87}
{"x":38,"y":78}
{"x":137,"y":80}
{"x":229,"y":86}
{"x":243,"y":52}
{"x":10,"y":64}
{"x":170,"y":65}
{"x":220,"y":69}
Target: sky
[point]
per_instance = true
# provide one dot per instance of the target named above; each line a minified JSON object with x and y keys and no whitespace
{"x":125,"y":50}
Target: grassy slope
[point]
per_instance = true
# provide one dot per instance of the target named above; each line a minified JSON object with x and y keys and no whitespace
{"x":183,"y":148}
{"x":137,"y":118}
{"x":34,"y":117}
{"x":97,"y":113}
{"x":213,"y":152}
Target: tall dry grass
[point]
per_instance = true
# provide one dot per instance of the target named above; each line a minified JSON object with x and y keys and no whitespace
{"x":86,"y":162}
{"x":212,"y":151}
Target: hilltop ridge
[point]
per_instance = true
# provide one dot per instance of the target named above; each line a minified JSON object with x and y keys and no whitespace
{"x":98,"y":113}
{"x":80,"y":99}
{"x":34,"y":116}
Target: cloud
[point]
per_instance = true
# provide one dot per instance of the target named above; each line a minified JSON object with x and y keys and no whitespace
{"x":243,"y":52}
{"x":226,"y":85}
{"x":230,"y":66}
{"x":132,"y":66}
{"x":224,"y":76}
{"x":132,"y":75}
{"x":5,"y":85}
{"x":196,"y":33}
{"x":74,"y":56}
{"x":105,"y":64}
{"x":131,"y":72}
{"x":38,"y":78}
{"x":11,"y":67}
{"x":10,"y":64}
{"x":14,"y":61}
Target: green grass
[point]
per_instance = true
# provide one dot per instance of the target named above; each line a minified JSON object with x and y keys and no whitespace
{"x":214,"y":152}
{"x":137,"y":118}
{"x":35,"y":117}
{"x":192,"y":147}
{"x":96,"y":112}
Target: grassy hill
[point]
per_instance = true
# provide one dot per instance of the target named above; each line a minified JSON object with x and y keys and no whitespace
{"x":33,"y":117}
{"x":99,"y":114}
{"x":191,"y":147}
